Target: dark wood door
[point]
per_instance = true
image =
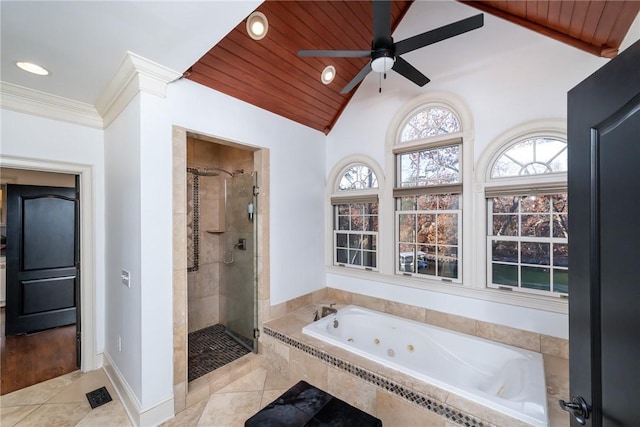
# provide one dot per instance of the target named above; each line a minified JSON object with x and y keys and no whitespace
{"x":604,"y":243}
{"x":42,"y":258}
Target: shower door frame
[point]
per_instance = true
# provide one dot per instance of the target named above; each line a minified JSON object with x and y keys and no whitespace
{"x":233,"y":216}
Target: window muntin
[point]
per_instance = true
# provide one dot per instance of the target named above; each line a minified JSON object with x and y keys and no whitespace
{"x":429,"y":231}
{"x":430,"y":166}
{"x":527,"y":243}
{"x":356,"y":235}
{"x":533,"y":156}
{"x":429,"y":122}
{"x":358,"y":177}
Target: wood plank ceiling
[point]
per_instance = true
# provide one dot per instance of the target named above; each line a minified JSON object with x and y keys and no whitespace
{"x":269,"y":74}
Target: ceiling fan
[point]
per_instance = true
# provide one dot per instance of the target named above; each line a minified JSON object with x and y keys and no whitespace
{"x":385,"y":53}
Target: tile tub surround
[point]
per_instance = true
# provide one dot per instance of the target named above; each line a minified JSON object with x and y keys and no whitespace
{"x":545,"y":344}
{"x":378,"y":388}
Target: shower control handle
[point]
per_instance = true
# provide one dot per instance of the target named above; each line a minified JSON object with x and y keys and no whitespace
{"x":578,"y":407}
{"x":242,"y":244}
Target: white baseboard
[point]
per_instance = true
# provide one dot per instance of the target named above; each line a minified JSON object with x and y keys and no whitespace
{"x":139,"y":417}
{"x":99,"y":360}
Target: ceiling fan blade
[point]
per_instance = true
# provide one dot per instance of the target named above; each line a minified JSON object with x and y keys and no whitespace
{"x":381,"y":23}
{"x":336,"y":53}
{"x":439,"y":34}
{"x":357,"y":79}
{"x":402,"y":67}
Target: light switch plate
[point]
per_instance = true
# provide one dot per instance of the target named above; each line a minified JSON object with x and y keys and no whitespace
{"x":125,"y":278}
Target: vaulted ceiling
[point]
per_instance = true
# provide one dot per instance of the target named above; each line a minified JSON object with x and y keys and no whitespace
{"x":269,"y":74}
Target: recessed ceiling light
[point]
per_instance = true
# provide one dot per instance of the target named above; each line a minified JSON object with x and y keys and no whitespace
{"x":328,"y":74}
{"x":257,"y":25}
{"x":33,"y":68}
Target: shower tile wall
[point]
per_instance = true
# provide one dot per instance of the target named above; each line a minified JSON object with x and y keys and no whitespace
{"x":203,"y":299}
{"x":206,"y":294}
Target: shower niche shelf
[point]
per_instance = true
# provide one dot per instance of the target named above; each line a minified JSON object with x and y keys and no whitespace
{"x":215,"y":231}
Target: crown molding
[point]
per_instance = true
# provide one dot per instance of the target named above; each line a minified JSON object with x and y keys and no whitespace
{"x":135,"y":74}
{"x":29,"y":101}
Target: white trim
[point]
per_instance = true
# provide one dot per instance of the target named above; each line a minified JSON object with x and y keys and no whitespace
{"x":29,"y":101}
{"x":134,"y":74}
{"x":152,"y":416}
{"x":386,"y":211}
{"x":89,"y":358}
{"x":538,"y":302}
{"x":556,"y":128}
{"x":331,"y":186}
{"x":127,"y":396}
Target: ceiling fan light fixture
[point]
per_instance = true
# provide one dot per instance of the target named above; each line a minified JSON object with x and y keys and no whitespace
{"x":328,"y":74}
{"x":257,"y":25}
{"x":382,"y":64}
{"x":32,"y":68}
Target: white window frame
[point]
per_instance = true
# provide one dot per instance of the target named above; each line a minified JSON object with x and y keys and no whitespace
{"x":551,"y":183}
{"x":423,"y":145}
{"x":337,"y":197}
{"x":394,"y":146}
{"x":523,"y":239}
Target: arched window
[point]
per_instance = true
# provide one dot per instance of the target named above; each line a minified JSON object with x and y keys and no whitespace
{"x":355,"y":212}
{"x":428,"y":122}
{"x":527,"y":247}
{"x":358,"y":177}
{"x":428,"y":194}
{"x":532,"y":156}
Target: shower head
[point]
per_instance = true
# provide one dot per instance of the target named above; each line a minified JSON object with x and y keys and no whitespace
{"x":204,"y":172}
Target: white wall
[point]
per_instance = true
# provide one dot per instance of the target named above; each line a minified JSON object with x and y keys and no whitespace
{"x":123,"y":245}
{"x":36,"y":138}
{"x":138,"y":159}
{"x":524,"y":78}
{"x":296,"y":177}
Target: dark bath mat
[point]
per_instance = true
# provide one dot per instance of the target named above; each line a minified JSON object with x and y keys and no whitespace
{"x":98,"y":397}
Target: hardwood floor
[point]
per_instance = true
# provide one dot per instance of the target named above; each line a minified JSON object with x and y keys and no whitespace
{"x":30,"y":359}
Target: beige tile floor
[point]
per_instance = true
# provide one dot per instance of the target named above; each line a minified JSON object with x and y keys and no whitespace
{"x":61,"y":402}
{"x":232,"y":405}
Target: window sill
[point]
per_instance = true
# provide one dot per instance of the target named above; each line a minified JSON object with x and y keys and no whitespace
{"x":537,"y":302}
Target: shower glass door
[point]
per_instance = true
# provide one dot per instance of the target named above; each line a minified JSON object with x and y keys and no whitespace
{"x":238,"y":293}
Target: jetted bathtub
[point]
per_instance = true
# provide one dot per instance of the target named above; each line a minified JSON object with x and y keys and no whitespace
{"x":504,"y":378}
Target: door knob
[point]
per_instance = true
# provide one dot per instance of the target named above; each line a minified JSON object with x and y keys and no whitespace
{"x":578,"y":407}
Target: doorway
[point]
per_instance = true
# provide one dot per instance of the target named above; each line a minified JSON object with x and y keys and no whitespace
{"x":90,"y":360}
{"x":40,"y":321}
{"x":221,"y":254}
{"x":183,"y":389}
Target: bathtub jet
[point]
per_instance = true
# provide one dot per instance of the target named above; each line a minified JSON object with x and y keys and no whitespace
{"x":501,"y":377}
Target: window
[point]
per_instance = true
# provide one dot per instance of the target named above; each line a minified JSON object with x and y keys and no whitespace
{"x":533,"y":156}
{"x":355,"y":207}
{"x":428,"y":195}
{"x":527,"y":227}
{"x":429,"y":122}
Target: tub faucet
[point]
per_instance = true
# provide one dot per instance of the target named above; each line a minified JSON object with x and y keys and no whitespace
{"x":328,"y":310}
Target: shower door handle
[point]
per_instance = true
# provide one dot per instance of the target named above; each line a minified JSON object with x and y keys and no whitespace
{"x":227,"y":259}
{"x":578,"y":407}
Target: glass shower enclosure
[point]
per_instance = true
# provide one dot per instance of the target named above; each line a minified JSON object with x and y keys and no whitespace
{"x":239,"y":291}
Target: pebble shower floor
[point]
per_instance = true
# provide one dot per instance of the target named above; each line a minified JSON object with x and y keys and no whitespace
{"x":211,"y":348}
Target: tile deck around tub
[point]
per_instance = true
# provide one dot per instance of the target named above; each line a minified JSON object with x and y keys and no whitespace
{"x":391,"y":386}
{"x":288,"y":330}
